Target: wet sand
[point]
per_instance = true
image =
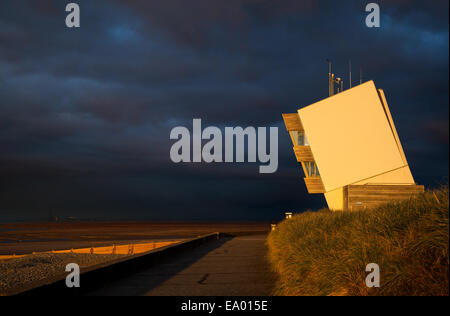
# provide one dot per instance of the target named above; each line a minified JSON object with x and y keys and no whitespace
{"x":24,"y":238}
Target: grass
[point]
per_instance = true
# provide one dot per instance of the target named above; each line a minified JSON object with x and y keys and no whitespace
{"x":326,"y":253}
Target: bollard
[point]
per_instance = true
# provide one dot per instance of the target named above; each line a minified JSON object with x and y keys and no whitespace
{"x":288,"y":215}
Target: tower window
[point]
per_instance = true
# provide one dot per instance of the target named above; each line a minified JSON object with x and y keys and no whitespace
{"x":311,"y":169}
{"x":300,"y":138}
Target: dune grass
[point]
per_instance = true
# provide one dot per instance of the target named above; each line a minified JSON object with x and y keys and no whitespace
{"x":326,"y":253}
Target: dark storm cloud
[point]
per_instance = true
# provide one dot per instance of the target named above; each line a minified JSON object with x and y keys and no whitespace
{"x":85,"y":114}
{"x":198,"y":22}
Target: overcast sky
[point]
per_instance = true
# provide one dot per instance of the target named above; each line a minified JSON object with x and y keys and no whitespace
{"x":85,"y":114}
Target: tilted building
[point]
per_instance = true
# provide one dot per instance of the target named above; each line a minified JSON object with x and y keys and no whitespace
{"x":349,"y":149}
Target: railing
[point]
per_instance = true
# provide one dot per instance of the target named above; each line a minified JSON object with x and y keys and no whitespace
{"x":127,"y":249}
{"x":303,"y":153}
{"x":314,"y":185}
{"x":292,"y":122}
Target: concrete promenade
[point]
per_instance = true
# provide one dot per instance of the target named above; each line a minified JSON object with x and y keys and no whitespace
{"x":229,"y":266}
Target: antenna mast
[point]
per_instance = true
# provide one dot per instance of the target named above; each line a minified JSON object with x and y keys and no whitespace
{"x":350,"y":74}
{"x":330,"y":79}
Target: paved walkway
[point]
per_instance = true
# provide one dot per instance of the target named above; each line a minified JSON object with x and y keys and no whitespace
{"x":229,"y":266}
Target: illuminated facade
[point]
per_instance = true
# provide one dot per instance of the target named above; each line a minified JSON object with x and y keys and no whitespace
{"x":349,"y":149}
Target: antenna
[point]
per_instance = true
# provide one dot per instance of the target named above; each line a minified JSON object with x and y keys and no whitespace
{"x":350,"y":73}
{"x":330,"y":79}
{"x":340,"y":83}
{"x":360,"y":75}
{"x":333,"y":80}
